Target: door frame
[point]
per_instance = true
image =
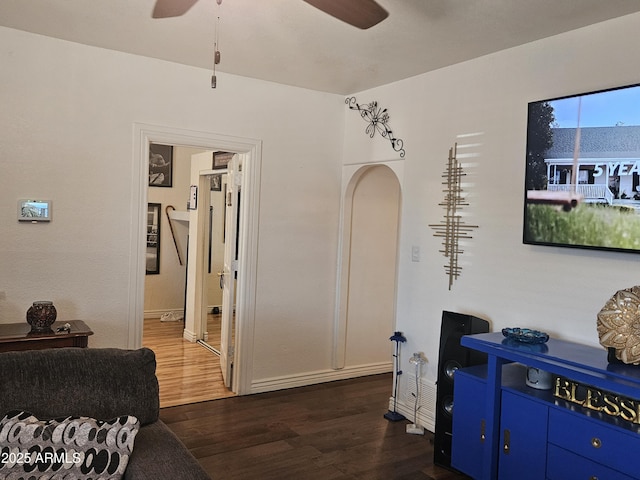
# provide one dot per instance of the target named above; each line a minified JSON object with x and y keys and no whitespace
{"x":251,"y":149}
{"x":230,"y":267}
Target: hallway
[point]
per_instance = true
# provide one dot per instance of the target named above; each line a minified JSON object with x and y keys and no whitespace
{"x":187,"y":372}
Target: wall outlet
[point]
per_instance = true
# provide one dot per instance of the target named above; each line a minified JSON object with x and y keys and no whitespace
{"x":415,"y":253}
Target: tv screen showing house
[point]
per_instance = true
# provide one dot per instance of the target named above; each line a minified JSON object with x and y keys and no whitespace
{"x":582,"y":180}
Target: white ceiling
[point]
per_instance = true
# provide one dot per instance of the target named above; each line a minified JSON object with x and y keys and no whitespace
{"x":291,"y":42}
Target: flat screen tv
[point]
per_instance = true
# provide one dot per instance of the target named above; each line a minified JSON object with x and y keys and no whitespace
{"x":582,"y":180}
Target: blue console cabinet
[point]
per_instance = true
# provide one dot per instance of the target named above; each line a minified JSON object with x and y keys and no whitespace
{"x":503,"y":429}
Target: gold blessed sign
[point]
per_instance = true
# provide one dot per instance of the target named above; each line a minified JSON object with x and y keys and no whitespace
{"x":598,"y":400}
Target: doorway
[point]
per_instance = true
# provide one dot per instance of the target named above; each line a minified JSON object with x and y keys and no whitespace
{"x":250,"y":152}
{"x":187,"y":373}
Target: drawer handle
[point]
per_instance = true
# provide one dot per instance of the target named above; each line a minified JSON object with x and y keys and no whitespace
{"x":596,"y":443}
{"x":593,"y":478}
{"x":483,"y":428}
{"x":506,"y":447}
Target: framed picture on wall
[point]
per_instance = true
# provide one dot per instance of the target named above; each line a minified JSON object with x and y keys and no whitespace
{"x":216,"y":183}
{"x":221,"y":159}
{"x":153,"y":238}
{"x":160,"y":165}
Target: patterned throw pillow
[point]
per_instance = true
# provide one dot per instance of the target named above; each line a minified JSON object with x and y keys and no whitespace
{"x":73,"y":448}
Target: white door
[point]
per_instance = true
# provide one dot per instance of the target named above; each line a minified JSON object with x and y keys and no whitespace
{"x":230,"y":269}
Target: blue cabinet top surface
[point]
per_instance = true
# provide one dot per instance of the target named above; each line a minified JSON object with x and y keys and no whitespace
{"x":573,"y":360}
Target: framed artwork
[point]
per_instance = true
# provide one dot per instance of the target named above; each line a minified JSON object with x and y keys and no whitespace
{"x":216,"y":183}
{"x":221,"y":159}
{"x":153,"y":238}
{"x":160,"y":165}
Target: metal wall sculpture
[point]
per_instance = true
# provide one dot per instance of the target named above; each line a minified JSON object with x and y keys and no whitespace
{"x":378,"y":121}
{"x":452,"y":228}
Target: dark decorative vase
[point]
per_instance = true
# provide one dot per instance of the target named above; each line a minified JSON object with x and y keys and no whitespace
{"x":41,"y":316}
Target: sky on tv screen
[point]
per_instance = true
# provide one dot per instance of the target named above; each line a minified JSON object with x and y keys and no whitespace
{"x":602,"y":109}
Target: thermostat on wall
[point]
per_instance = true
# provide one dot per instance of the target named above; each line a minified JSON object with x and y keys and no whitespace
{"x":34,"y":210}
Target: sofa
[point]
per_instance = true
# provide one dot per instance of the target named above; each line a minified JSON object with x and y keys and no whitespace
{"x":102,"y":407}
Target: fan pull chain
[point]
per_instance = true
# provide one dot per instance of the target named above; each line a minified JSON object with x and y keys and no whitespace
{"x":216,"y":49}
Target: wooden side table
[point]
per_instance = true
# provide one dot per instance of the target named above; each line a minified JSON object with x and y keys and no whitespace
{"x":17,"y":336}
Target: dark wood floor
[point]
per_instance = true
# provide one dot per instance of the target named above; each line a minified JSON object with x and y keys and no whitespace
{"x":322,"y":432}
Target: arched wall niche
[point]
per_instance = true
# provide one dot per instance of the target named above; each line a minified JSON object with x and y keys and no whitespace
{"x":367,"y":265}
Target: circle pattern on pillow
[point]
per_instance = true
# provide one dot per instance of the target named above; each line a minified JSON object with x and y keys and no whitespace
{"x":72,"y":448}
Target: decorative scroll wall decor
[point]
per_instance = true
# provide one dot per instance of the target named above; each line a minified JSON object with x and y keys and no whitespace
{"x":452,"y":228}
{"x":378,"y":119}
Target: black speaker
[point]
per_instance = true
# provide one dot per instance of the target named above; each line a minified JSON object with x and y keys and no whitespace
{"x":452,"y":357}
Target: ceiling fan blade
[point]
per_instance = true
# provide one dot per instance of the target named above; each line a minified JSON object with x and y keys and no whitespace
{"x":172,"y":8}
{"x":359,"y":13}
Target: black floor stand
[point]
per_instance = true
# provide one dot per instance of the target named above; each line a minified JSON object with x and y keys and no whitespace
{"x":393,"y":415}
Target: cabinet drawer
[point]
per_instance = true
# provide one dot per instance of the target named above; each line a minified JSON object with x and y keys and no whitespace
{"x":563,"y":465}
{"x":603,"y":444}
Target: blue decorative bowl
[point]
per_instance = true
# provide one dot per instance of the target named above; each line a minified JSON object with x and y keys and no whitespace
{"x":525,"y":335}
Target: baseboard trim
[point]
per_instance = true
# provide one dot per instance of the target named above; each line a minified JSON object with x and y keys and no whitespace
{"x":159,"y":313}
{"x":311,"y":378}
{"x":189,"y":336}
{"x":425,"y":419}
{"x":426,"y":404}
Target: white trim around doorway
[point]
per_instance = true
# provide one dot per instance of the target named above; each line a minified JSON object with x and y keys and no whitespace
{"x":251,"y":150}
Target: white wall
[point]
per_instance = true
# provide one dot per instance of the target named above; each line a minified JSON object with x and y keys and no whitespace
{"x":67,"y":134}
{"x":510,"y":284}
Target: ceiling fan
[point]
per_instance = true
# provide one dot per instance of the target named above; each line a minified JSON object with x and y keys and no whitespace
{"x":359,"y":13}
